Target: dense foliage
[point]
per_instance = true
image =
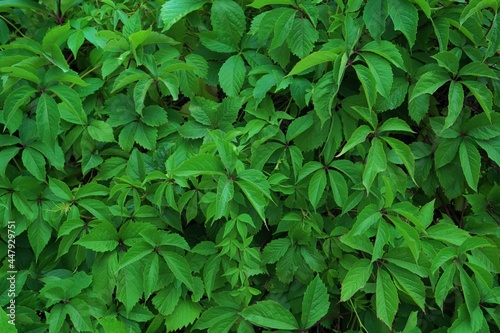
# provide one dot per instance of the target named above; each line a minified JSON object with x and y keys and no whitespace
{"x":251,"y":165}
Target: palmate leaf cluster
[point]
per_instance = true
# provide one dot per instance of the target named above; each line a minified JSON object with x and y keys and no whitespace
{"x":251,"y":165}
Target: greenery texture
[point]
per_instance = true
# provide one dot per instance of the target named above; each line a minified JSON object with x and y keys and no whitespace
{"x":251,"y":165}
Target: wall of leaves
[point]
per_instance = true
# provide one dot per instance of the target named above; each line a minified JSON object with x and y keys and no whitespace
{"x":251,"y":166}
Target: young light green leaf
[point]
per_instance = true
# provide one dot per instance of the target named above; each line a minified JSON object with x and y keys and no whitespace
{"x":470,"y":160}
{"x":270,"y":314}
{"x":315,"y":304}
{"x":386,"y":297}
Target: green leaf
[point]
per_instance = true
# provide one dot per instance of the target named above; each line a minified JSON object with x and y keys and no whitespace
{"x":282,"y":27}
{"x":317,"y":187}
{"x":270,"y":314}
{"x":202,"y":164}
{"x":129,"y":285}
{"x":225,"y":193}
{"x":339,"y":187}
{"x":298,"y":126}
{"x":365,"y":219}
{"x":418,"y":107}
{"x":395,"y":124}
{"x":47,"y":119}
{"x":34,"y":162}
{"x":477,"y":69}
{"x":357,"y":137}
{"x":410,"y":235}
{"x":368,"y":82}
{"x":275,"y":250}
{"x":179,"y":267}
{"x":213,"y":315}
{"x":140,"y":91}
{"x":356,"y":278}
{"x":71,"y":108}
{"x":405,"y":18}
{"x":376,"y":162}
{"x":381,"y":71}
{"x":444,"y":285}
{"x":12,"y":114}
{"x":470,"y":160}
{"x":302,"y":37}
{"x":254,"y":195}
{"x":428,"y":83}
{"x":101,"y":131}
{"x":386,"y":297}
{"x":101,"y":238}
{"x":112,"y":325}
{"x":409,"y":283}
{"x":39,"y":234}
{"x":314,"y":59}
{"x":447,"y":60}
{"x":375,"y":15}
{"x":443,"y":256}
{"x":455,"y":103}
{"x":469,"y":289}
{"x":173,"y":11}
{"x":315,"y":304}
{"x":138,"y":251}
{"x":404,"y":153}
{"x":261,"y":3}
{"x":228,"y":16}
{"x":232,"y":75}
{"x":167,"y":299}
{"x":219,"y":41}
{"x":482,"y":94}
{"x":446,"y":152}
{"x":185,"y":313}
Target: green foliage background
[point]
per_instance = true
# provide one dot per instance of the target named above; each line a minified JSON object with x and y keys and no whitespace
{"x":251,"y":166}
